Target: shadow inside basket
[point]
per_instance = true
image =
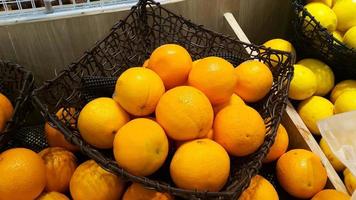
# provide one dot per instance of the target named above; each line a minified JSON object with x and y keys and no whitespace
{"x":16,"y":84}
{"x":129,"y":44}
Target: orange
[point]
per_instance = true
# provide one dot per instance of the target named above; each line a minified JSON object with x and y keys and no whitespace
{"x":185,"y":113}
{"x":239,"y":129}
{"x":234,"y":100}
{"x":210,"y":135}
{"x":60,"y":166}
{"x":22,"y":174}
{"x":138,"y":90}
{"x":259,"y":189}
{"x":215,"y":77}
{"x":279,"y":146}
{"x":172,"y":63}
{"x":91,"y":182}
{"x":138,"y":192}
{"x":254,"y":80}
{"x":145,"y":64}
{"x":2,"y":121}
{"x":6,"y":107}
{"x":331,"y":194}
{"x":196,"y":61}
{"x":200,"y":164}
{"x":53,"y":196}
{"x":141,"y":146}
{"x":99,"y":121}
{"x":301,"y":173}
{"x":54,"y":137}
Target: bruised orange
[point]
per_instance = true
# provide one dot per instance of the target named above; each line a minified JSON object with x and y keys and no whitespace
{"x":301,"y":173}
{"x":91,"y":182}
{"x":60,"y":166}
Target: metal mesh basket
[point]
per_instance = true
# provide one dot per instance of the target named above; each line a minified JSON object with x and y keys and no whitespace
{"x":315,"y":41}
{"x":129,"y":43}
{"x":31,"y":137}
{"x":16,"y":83}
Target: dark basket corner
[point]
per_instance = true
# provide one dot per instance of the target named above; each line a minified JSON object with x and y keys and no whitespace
{"x":16,"y":83}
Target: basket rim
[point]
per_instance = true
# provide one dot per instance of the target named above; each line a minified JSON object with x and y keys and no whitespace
{"x":299,"y":7}
{"x":25,"y":93}
{"x":93,"y":153}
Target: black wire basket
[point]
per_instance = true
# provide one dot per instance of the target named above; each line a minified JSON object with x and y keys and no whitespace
{"x":16,"y":83}
{"x":317,"y":42}
{"x":129,"y":43}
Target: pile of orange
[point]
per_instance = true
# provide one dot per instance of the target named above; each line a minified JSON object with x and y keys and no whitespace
{"x":171,"y":100}
{"x":200,"y":107}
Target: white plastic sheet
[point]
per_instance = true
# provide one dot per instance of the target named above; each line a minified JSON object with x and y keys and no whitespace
{"x":339,"y":131}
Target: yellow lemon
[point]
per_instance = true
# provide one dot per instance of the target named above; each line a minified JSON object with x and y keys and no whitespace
{"x":326,"y":2}
{"x":345,"y":11}
{"x":314,"y":109}
{"x":346,"y":102}
{"x":335,"y":162}
{"x":279,"y":44}
{"x":350,"y":180}
{"x":303,"y":84}
{"x":334,"y":1}
{"x":350,"y":37}
{"x":341,"y":87}
{"x":324,"y":75}
{"x":338,"y":35}
{"x":322,"y":14}
{"x":346,"y":85}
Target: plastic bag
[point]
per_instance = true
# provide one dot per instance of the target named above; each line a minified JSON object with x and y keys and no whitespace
{"x":339,"y":131}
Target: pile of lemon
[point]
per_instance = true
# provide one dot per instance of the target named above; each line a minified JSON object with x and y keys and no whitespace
{"x":313,"y":84}
{"x":337,"y":16}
